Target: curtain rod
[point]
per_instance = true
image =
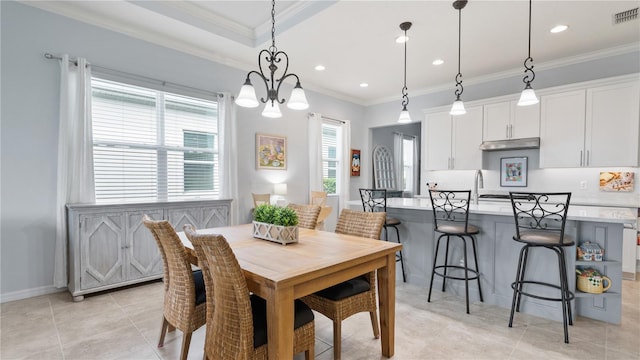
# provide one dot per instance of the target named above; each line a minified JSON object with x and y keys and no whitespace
{"x":131,"y":76}
{"x":329,"y":118}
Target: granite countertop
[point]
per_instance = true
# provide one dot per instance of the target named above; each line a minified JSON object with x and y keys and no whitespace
{"x":620,"y":215}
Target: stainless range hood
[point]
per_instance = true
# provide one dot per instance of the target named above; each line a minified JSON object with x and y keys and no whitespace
{"x":514,"y":144}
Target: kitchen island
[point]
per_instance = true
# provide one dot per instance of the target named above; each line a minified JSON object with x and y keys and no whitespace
{"x":498,"y":255}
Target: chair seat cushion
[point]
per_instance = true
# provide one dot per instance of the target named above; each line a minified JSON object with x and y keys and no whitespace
{"x":201,"y":295}
{"x":543,"y":238}
{"x":392,"y":221}
{"x":345,"y":289}
{"x":457,"y":229}
{"x":303,"y":315}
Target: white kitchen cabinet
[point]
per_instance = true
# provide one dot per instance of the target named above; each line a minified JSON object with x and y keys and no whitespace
{"x":612,"y":125}
{"x":109,"y":246}
{"x":505,"y":120}
{"x":452,"y":142}
{"x":593,"y":127}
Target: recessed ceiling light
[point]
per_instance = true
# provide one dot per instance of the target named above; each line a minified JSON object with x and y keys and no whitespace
{"x":319,"y":67}
{"x":438,"y":62}
{"x":402,"y":39}
{"x":559,"y":28}
{"x":363,"y":85}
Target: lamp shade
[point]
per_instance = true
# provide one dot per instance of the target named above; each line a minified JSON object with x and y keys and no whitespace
{"x":247,"y":96}
{"x":298,"y":100}
{"x":457,"y":108}
{"x":528,"y":97}
{"x":280,"y":189}
{"x":272,"y":110}
{"x":404,"y":117}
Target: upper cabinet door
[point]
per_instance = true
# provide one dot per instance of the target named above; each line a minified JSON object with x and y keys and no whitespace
{"x":525,"y":121}
{"x":467,"y":136}
{"x":612,"y":125}
{"x":437,"y":135}
{"x":505,"y":120}
{"x":496,"y":121}
{"x":562,"y":118}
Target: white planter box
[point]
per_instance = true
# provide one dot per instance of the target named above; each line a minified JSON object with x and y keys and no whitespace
{"x":277,"y":233}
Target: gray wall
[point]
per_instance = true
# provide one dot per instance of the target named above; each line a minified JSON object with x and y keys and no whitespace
{"x":29,"y":115}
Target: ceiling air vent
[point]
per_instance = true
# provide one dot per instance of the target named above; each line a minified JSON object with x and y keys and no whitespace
{"x":625,"y":16}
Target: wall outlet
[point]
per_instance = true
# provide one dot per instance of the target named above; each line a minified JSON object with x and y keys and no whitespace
{"x":583,"y":185}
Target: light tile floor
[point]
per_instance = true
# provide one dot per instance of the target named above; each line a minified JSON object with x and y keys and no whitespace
{"x":125,"y":324}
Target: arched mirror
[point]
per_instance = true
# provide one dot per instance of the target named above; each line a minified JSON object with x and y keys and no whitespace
{"x":383,"y":171}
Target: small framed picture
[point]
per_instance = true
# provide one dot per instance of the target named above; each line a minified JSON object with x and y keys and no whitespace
{"x":355,"y":162}
{"x":513,"y":171}
{"x":271,"y":152}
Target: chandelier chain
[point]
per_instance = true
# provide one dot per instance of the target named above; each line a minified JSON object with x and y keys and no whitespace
{"x":405,"y":93}
{"x":528,"y":62}
{"x":273,"y":25}
{"x":459,"y":87}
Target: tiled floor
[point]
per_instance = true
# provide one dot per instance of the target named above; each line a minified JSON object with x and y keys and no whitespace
{"x":125,"y":324}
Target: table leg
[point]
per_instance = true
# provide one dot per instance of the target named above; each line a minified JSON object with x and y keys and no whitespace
{"x":280,"y":323}
{"x":387,"y":305}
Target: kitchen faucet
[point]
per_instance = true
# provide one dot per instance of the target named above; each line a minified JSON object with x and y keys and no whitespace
{"x":477,"y":182}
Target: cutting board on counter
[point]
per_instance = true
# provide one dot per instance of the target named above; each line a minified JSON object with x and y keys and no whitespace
{"x":616,"y":181}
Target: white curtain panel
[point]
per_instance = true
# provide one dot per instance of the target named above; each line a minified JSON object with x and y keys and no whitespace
{"x":397,"y":160}
{"x":228,"y":154}
{"x":315,"y":153}
{"x":345,"y":174}
{"x":75,"y":153}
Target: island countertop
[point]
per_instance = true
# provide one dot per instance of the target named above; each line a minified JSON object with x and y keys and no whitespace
{"x":576,"y":212}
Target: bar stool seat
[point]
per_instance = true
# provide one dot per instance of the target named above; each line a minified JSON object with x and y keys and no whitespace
{"x":451,"y":219}
{"x":375,"y":200}
{"x":540,"y":221}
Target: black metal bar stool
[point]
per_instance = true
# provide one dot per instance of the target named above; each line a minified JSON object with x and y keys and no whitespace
{"x":374,"y":200}
{"x":451,"y":219}
{"x":540,"y":219}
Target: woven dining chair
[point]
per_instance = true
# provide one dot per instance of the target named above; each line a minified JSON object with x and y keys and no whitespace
{"x":236,"y":320}
{"x":307,"y":215}
{"x":259,"y":199}
{"x":357,"y":295}
{"x":184,"y":290}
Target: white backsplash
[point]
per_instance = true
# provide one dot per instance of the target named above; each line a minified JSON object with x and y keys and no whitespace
{"x":550,"y":180}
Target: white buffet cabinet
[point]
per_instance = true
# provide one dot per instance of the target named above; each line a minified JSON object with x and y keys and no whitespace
{"x":498,"y":254}
{"x":109,"y":246}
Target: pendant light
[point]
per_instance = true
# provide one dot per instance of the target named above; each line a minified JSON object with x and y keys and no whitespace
{"x":247,"y":95}
{"x":528,"y":96}
{"x":404,"y":114}
{"x":458,"y":106}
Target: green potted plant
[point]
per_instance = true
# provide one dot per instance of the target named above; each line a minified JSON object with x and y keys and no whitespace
{"x":275,"y":223}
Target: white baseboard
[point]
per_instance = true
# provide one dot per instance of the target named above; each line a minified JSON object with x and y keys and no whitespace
{"x":28,"y":293}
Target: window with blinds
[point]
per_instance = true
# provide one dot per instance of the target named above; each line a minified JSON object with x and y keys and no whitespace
{"x":151,"y":145}
{"x":330,"y":161}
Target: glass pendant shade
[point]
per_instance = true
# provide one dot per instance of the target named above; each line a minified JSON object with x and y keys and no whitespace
{"x":247,"y":96}
{"x":528,"y":97}
{"x":404,"y":116}
{"x":272,"y":110}
{"x":298,"y":100}
{"x":457,"y":108}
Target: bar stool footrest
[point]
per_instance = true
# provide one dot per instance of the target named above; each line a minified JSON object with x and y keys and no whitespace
{"x":513,"y":286}
{"x":475,"y":276}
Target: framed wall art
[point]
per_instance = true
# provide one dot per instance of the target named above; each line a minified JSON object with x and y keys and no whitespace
{"x":355,"y":162}
{"x":271,"y":152}
{"x":513,"y":171}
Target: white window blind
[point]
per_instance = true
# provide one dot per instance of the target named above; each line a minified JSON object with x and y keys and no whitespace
{"x":330,"y":160}
{"x":151,"y":145}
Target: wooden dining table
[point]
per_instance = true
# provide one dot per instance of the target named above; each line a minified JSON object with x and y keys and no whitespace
{"x":281,"y":273}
